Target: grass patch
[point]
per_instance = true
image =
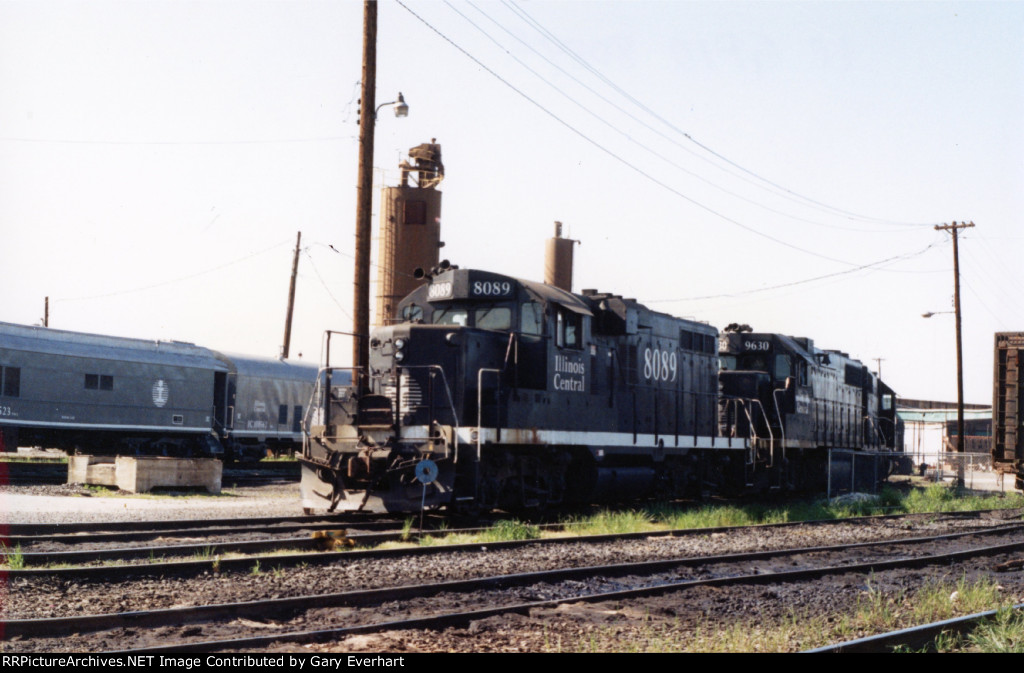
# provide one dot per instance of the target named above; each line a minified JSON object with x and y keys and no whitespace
{"x":510,"y":529}
{"x":287,"y":457}
{"x":875,"y":611}
{"x":1005,"y":633}
{"x":14,"y":559}
{"x":936,"y":498}
{"x":607,"y":522}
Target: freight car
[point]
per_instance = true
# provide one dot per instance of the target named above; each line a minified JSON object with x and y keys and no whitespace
{"x":507,"y":393}
{"x":101,"y":394}
{"x":1007,"y":419}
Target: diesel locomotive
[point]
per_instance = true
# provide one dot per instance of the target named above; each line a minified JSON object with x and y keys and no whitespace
{"x":494,"y":392}
{"x":792,"y":399}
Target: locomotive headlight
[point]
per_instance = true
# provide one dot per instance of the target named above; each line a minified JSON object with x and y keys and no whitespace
{"x":399,"y":356}
{"x":399,"y":344}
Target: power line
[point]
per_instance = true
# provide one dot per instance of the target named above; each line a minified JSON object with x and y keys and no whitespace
{"x":525,"y":16}
{"x":327,"y":288}
{"x":73,"y":141}
{"x":798,"y":282}
{"x":619,"y":130}
{"x":615,"y":156}
{"x":173,"y":280}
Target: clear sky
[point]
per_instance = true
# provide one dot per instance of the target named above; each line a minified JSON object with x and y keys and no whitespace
{"x":781,"y":164}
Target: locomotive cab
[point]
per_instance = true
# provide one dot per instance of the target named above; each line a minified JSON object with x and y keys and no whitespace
{"x":458,"y":349}
{"x":521,"y":395}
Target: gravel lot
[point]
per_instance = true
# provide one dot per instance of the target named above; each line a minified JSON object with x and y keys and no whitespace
{"x":646,"y":625}
{"x":73,"y":504}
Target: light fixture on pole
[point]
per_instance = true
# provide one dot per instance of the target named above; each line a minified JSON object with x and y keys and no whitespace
{"x":959,"y":393}
{"x":401,"y":107}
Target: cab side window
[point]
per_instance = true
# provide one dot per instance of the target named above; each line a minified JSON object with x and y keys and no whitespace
{"x":531,"y":318}
{"x":568,"y":329}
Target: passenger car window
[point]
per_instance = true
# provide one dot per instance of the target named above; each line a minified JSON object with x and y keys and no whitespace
{"x":11,"y":377}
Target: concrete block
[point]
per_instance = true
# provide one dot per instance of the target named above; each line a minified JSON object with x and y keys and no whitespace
{"x":141,"y":474}
{"x":98,"y":470}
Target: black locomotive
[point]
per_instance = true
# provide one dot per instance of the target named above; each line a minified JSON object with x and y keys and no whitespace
{"x":507,"y":393}
{"x":113,"y":395}
{"x":792,"y":398}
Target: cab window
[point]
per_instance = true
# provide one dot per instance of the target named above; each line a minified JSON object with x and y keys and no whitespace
{"x":568,"y":329}
{"x":412,"y":313}
{"x":451,"y":315}
{"x":754,"y":363}
{"x":531,"y":318}
{"x":782,"y":367}
{"x":493,"y":317}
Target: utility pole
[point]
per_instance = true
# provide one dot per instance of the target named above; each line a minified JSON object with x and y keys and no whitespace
{"x":878,"y":361}
{"x":954,"y":228}
{"x":367,"y":118}
{"x":46,"y":312}
{"x":291,"y":301}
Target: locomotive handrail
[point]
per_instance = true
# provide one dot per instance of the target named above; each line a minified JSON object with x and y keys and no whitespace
{"x":737,"y":403}
{"x":448,"y":394}
{"x":771,"y":435}
{"x":479,"y":404}
{"x":480,"y":394}
{"x":782,"y":426}
{"x":319,"y":399}
{"x":876,"y":425}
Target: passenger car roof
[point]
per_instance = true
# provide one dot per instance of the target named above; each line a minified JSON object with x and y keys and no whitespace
{"x":45,"y":340}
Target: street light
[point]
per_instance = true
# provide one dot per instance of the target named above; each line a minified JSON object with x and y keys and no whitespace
{"x":959,"y":391}
{"x":401,"y":108}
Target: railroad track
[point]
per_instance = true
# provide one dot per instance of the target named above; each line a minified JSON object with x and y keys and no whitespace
{"x":54,"y":549}
{"x":314,"y":617}
{"x":105,"y":542}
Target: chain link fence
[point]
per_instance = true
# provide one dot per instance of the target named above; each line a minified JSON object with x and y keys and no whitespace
{"x":854,"y":471}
